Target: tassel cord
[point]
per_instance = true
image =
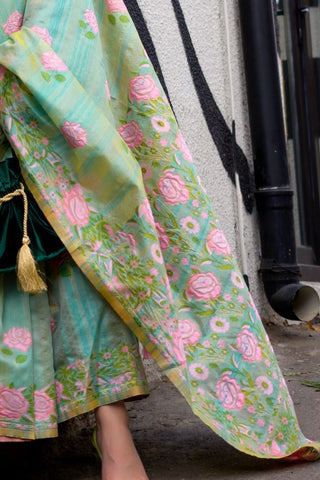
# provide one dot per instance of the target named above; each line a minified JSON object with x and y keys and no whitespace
{"x":10,"y":196}
{"x":28,"y":276}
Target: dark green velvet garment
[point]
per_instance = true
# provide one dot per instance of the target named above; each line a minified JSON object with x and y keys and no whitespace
{"x":44,"y":244}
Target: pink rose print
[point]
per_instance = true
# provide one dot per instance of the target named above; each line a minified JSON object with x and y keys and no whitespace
{"x":248,"y":346}
{"x":146,"y":170}
{"x":163,"y":238}
{"x":143,"y":87}
{"x":199,"y":371}
{"x":12,"y":403}
{"x":264,"y":384}
{"x":172,"y":272}
{"x":75,"y":135}
{"x":183,"y":147}
{"x":203,"y":286}
{"x":190,"y":225}
{"x":276,"y":450}
{"x":13,"y":23}
{"x":43,"y":33}
{"x":160,"y":124}
{"x":43,"y":406}
{"x":173,"y":189}
{"x":180,"y":354}
{"x":91,"y":19}
{"x":179,"y":348}
{"x":237,"y":279}
{"x":131,"y":134}
{"x":2,"y":72}
{"x":75,"y":207}
{"x":219,"y":324}
{"x":189,"y":332}
{"x":18,"y":338}
{"x":51,"y":61}
{"x":116,"y":6}
{"x":128,"y":238}
{"x":217,"y":242}
{"x":229,"y":392}
{"x":114,"y":285}
{"x":156,"y":253}
{"x":145,"y":210}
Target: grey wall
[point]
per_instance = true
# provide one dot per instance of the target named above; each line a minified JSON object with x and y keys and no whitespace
{"x":203,"y":73}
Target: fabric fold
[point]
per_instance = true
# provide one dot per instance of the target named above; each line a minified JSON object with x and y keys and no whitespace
{"x":119,"y":187}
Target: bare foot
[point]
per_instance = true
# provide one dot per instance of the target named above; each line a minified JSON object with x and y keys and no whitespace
{"x":120,"y":459}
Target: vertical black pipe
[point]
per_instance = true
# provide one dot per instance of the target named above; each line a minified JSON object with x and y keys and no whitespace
{"x":264,"y":94}
{"x":280,"y":272}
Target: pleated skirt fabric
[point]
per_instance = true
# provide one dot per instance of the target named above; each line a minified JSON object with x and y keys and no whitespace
{"x":62,"y":353}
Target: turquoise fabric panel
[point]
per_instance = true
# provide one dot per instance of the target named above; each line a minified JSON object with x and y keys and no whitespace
{"x":62,"y":353}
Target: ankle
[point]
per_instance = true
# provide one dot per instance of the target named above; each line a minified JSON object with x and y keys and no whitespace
{"x":110,"y":416}
{"x":120,"y":459}
{"x":112,"y":429}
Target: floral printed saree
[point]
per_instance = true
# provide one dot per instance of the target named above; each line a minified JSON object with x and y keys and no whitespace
{"x":102,"y":154}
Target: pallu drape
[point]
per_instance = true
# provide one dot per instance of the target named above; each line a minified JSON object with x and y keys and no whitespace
{"x":102,"y":154}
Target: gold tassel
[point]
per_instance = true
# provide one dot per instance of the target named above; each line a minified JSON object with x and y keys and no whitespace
{"x":27,"y":271}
